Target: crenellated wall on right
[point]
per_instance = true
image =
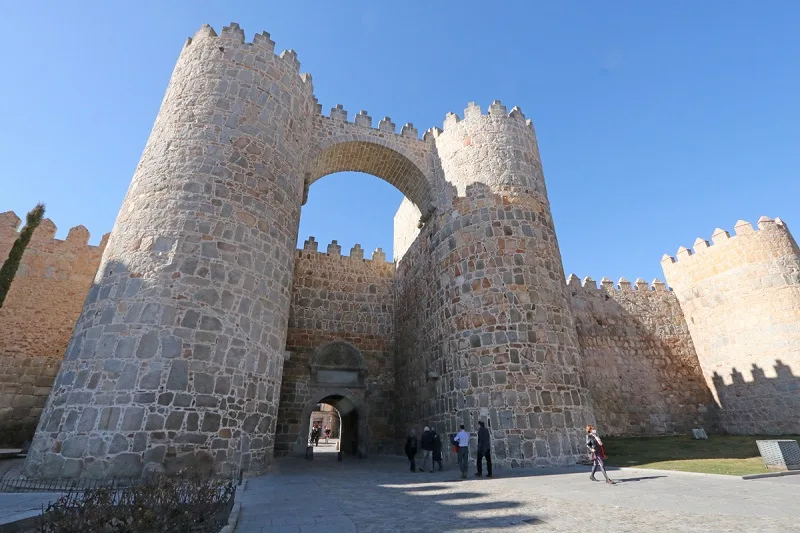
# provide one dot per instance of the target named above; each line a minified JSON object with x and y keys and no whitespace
{"x":639,"y":361}
{"x":741,"y":299}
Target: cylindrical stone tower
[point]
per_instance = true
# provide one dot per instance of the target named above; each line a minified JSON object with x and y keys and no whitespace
{"x":741,"y":298}
{"x":505,"y":318}
{"x":176,"y":360}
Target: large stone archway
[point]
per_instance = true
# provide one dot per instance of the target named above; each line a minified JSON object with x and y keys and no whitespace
{"x":403,"y":160}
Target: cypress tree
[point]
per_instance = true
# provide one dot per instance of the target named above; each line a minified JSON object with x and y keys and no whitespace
{"x":11,"y":264}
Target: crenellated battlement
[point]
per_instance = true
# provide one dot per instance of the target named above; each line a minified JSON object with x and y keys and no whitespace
{"x":623,"y":285}
{"x":363,"y":119}
{"x":45,"y":235}
{"x":721,"y":236}
{"x":339,"y":114}
{"x":233,"y":36}
{"x":772,"y":238}
{"x":496,"y":111}
{"x":334,"y":249}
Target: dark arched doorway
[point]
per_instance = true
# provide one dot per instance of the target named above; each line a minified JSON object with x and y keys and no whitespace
{"x":353,"y":429}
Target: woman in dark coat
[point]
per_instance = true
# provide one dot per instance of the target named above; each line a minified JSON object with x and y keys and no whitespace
{"x":437,"y":449}
{"x":597,"y":453}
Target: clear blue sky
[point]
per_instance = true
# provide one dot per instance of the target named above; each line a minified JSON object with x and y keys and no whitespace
{"x":657,"y":122}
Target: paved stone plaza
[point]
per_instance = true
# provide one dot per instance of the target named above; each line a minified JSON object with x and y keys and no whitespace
{"x":381,"y":495}
{"x":323,"y":495}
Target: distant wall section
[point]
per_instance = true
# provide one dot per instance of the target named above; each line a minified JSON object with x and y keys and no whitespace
{"x":37,"y":318}
{"x":406,"y":229}
{"x":639,"y":361}
{"x":741,"y":298}
{"x":339,"y":298}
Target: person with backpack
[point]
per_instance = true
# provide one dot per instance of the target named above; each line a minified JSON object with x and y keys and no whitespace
{"x":411,"y":449}
{"x":597,"y":453}
{"x":426,"y":443}
{"x":437,"y":449}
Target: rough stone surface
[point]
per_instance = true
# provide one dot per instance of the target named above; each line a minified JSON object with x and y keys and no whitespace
{"x":37,"y":318}
{"x":206,"y":340}
{"x":208,"y":226}
{"x":485,"y":331}
{"x":741,"y":298}
{"x":349,"y":301}
{"x":639,"y":360}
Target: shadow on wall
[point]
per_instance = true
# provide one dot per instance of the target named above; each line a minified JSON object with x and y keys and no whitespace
{"x":761,"y":406}
{"x":639,"y":360}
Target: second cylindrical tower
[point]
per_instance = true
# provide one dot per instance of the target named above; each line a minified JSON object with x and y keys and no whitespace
{"x":511,"y":348}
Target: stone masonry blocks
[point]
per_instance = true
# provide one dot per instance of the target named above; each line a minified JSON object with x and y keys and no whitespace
{"x":741,"y":299}
{"x":504,"y":344}
{"x":196,"y":345}
{"x":194,"y":285}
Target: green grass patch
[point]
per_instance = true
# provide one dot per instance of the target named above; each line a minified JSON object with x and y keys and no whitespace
{"x":732,"y":455}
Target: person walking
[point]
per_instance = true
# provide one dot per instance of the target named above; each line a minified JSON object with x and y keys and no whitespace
{"x":411,"y":449}
{"x":484,"y":450}
{"x":437,"y":449}
{"x":597,"y":453}
{"x":462,"y":441}
{"x":426,"y":443}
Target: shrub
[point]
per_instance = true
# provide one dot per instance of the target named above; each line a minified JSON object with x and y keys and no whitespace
{"x":163,"y":505}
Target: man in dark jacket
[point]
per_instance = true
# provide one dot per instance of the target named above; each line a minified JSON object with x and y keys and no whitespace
{"x":437,"y":449}
{"x":484,"y":450}
{"x":411,"y":449}
{"x":426,"y":443}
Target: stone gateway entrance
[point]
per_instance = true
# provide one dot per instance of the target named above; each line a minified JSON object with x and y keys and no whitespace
{"x":207,"y":338}
{"x":354,"y":435}
{"x":336,"y":375}
{"x":184,"y":332}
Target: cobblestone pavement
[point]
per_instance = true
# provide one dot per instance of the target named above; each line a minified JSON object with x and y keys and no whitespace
{"x":382,"y":495}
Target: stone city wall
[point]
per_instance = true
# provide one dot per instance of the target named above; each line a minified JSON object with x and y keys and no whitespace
{"x":339,"y":298}
{"x":741,"y":299}
{"x":639,"y":361}
{"x":419,"y":360}
{"x":37,"y":318}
